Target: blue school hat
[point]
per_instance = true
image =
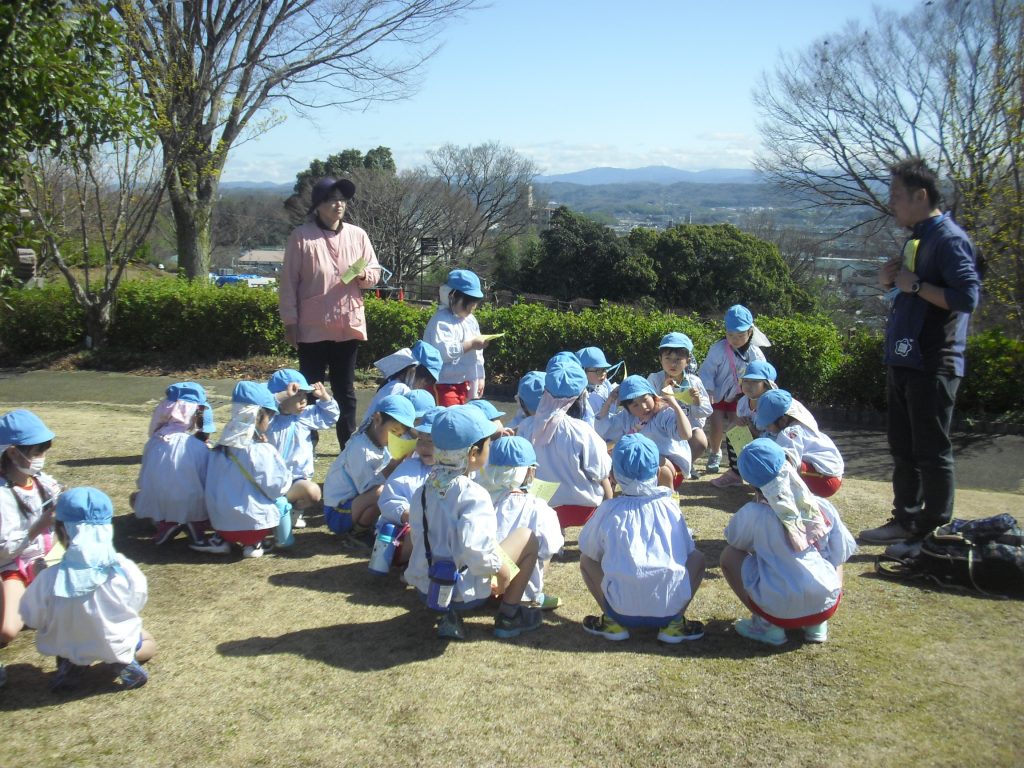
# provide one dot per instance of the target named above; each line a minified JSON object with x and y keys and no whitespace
{"x":512,"y":452}
{"x":429,"y":357}
{"x":633,"y":387}
{"x":760,"y":370}
{"x":760,"y":461}
{"x":459,"y":427}
{"x":593,"y":357}
{"x":530,"y":389}
{"x":425,"y":423}
{"x":209,"y":425}
{"x":772,"y":406}
{"x":464,"y":281}
{"x":635,"y":457}
{"x":22,"y":427}
{"x":565,"y":377}
{"x":188,"y":391}
{"x":84,"y":505}
{"x":399,"y":408}
{"x":421,"y":400}
{"x":738,"y":318}
{"x":281,"y":379}
{"x":488,"y":408}
{"x":676,"y":340}
{"x":253,"y":393}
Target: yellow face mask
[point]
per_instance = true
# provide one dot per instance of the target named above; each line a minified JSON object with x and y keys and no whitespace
{"x":400,"y":447}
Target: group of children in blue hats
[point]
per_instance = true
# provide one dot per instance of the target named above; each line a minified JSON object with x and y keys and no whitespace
{"x":472,"y":510}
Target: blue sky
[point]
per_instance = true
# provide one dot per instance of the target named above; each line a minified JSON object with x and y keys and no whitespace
{"x":576,"y":84}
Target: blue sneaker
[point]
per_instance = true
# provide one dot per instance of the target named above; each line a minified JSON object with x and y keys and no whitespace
{"x":714,"y":462}
{"x":450,"y":627}
{"x":68,"y":675}
{"x":523,"y":620}
{"x":761,"y":630}
{"x":132,"y":675}
{"x":816,"y":634}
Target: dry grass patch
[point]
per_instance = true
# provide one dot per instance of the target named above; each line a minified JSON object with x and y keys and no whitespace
{"x":307,"y":658}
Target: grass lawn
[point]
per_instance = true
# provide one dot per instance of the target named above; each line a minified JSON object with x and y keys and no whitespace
{"x":308,"y":659}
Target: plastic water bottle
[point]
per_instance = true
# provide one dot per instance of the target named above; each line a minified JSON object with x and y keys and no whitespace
{"x":383,"y":550}
{"x":443,"y":576}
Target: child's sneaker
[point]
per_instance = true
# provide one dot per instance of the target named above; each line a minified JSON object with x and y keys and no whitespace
{"x":212,"y":544}
{"x":605,"y":627}
{"x":450,"y":626}
{"x":680,"y":629}
{"x":297,"y":520}
{"x":68,"y":675}
{"x":816,"y":634}
{"x":523,"y":620}
{"x":761,"y":630}
{"x":360,"y":539}
{"x":694,"y":474}
{"x":714,"y":462}
{"x":132,"y":675}
{"x":196,"y":532}
{"x":545,"y":602}
{"x":256,"y":550}
{"x":165,"y":532}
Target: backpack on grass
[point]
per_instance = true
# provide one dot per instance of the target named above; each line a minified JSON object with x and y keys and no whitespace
{"x":985,"y":555}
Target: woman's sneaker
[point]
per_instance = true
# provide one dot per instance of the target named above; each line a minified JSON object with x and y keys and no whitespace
{"x":132,"y":675}
{"x":680,"y":629}
{"x":212,"y":544}
{"x":761,"y":630}
{"x":604,"y":627}
{"x":714,"y":462}
{"x":523,"y":620}
{"x":256,"y":550}
{"x":816,"y":634}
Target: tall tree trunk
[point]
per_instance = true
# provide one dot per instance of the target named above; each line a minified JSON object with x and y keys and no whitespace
{"x":192,"y":184}
{"x":99,"y":315}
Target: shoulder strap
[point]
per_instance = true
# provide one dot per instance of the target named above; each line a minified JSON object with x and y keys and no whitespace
{"x":245,"y":472}
{"x":426,"y":531}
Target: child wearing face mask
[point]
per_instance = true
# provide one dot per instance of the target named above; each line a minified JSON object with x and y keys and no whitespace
{"x":454,"y":331}
{"x":172,"y":478}
{"x":407,"y":370}
{"x":27,"y":497}
{"x":249,"y":489}
{"x":721,"y":372}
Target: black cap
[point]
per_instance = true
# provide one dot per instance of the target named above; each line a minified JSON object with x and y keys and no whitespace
{"x":323,"y":188}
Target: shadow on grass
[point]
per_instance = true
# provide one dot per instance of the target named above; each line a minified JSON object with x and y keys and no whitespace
{"x":102,"y":461}
{"x":28,"y":687}
{"x":927,"y":584}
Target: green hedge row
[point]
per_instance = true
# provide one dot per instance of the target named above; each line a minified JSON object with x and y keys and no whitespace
{"x":205,"y":324}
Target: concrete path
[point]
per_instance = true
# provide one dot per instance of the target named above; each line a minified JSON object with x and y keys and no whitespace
{"x":984,"y":462}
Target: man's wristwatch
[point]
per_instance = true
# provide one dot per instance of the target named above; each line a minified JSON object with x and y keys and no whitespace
{"x":915,"y":287}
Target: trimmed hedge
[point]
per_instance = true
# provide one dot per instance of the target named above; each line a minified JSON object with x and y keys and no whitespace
{"x":206,"y":324}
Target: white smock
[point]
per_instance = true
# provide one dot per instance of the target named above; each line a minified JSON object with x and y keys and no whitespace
{"x":396,"y":496}
{"x":236,"y":502}
{"x":524,"y":510}
{"x":576,"y":458}
{"x":697,"y":412}
{"x":662,"y":429}
{"x":814,"y":447}
{"x":15,"y":523}
{"x":291,"y":434}
{"x":172,"y":479}
{"x":720,"y":380}
{"x":359,"y":468}
{"x":448,"y":332}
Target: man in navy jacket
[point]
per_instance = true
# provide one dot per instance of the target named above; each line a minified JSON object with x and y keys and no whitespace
{"x":934,"y":285}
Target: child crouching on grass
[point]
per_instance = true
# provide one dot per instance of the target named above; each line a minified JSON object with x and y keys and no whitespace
{"x":637,"y":556}
{"x":86,"y":609}
{"x":454,"y":531}
{"x":354,"y":481}
{"x":508,"y":475}
{"x":786,"y":550}
{"x":249,"y":490}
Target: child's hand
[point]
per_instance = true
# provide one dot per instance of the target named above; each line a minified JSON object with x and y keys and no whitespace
{"x":695,"y":394}
{"x":320,"y":391}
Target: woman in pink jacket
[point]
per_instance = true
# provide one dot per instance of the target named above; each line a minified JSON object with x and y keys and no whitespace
{"x":327,"y":263}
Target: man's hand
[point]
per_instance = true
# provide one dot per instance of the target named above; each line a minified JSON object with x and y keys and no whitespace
{"x":887,"y":272}
{"x":905,"y":279}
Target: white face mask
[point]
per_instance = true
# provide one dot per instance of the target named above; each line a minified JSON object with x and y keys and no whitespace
{"x":35,"y":465}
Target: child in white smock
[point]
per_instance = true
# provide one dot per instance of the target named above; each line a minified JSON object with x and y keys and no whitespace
{"x":454,"y":331}
{"x":528,"y":394}
{"x":569,"y":451}
{"x":793,"y":427}
{"x":86,"y":608}
{"x":599,"y":372}
{"x":659,"y":417}
{"x":507,"y":477}
{"x":637,"y":556}
{"x":407,"y":370}
{"x":27,"y":495}
{"x":172,"y":479}
{"x":758,"y":378}
{"x":786,"y":550}
{"x":675,"y":351}
{"x":721,"y":372}
{"x":452,"y":522}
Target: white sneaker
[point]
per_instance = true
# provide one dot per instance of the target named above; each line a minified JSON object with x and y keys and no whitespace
{"x":889,"y":533}
{"x":297,"y":521}
{"x":253,"y":551}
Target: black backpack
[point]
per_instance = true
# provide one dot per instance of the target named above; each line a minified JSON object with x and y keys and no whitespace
{"x":986,"y":555}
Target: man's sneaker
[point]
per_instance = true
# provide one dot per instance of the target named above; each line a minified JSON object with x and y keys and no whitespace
{"x":165,"y":532}
{"x":889,"y":533}
{"x":714,"y":462}
{"x":761,"y":630}
{"x":545,"y":602}
{"x":904,"y":550}
{"x":132,"y":675}
{"x":450,"y":626}
{"x":523,"y":620}
{"x":297,"y":520}
{"x":68,"y":675}
{"x":213,"y":544}
{"x":255,"y":550}
{"x":816,"y":634}
{"x":605,"y":627}
{"x":680,"y":629}
{"x":730,"y":479}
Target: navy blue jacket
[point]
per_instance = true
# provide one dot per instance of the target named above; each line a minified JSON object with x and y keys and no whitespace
{"x":920,"y":335}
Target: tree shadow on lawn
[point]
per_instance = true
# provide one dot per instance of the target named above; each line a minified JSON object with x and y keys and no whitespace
{"x":28,"y":687}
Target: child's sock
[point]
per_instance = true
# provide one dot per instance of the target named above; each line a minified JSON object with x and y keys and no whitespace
{"x":508,"y":609}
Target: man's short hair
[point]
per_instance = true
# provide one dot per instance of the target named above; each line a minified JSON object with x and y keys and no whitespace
{"x":914,"y":173}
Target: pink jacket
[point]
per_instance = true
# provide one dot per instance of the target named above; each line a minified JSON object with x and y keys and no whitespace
{"x":311,"y":294}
